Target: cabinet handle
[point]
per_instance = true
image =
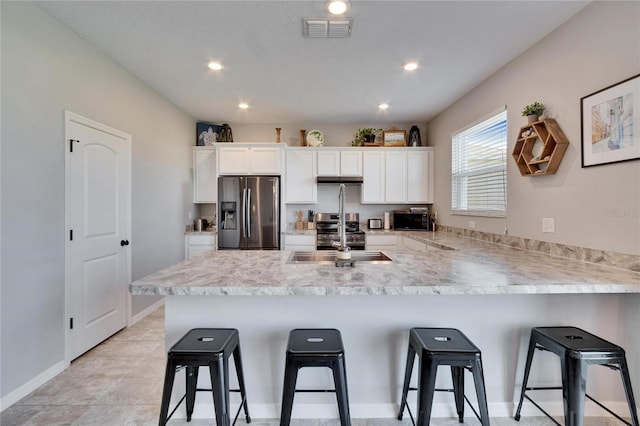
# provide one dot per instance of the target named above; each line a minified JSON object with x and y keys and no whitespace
{"x":124,"y":243}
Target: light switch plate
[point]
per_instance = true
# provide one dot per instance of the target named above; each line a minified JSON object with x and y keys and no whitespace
{"x":472,"y":224}
{"x":548,"y":225}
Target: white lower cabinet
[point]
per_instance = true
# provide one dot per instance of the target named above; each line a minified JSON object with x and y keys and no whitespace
{"x":300,"y":242}
{"x":195,"y":245}
{"x":381,"y":242}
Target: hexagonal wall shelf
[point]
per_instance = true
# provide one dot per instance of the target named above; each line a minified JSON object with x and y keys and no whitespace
{"x":539,"y":148}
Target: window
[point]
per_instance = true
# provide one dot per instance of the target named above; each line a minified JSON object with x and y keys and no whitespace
{"x":479,"y":167}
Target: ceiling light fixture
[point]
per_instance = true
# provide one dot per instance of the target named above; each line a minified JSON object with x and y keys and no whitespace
{"x":383,"y":106}
{"x":243,"y":105}
{"x":337,"y":7}
{"x":216,"y":66}
{"x":410,"y":66}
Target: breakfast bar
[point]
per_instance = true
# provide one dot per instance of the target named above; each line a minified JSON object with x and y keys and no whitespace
{"x":493,"y":293}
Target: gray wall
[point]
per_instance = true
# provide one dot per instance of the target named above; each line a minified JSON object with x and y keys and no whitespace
{"x":45,"y":70}
{"x":596,"y":207}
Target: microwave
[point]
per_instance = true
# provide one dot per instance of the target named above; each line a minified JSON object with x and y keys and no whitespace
{"x":407,"y":219}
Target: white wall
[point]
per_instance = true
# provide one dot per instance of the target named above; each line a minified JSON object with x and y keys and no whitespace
{"x":46,"y":69}
{"x":600,"y":46}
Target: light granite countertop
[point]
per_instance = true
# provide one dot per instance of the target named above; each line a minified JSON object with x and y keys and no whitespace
{"x":466,"y":266}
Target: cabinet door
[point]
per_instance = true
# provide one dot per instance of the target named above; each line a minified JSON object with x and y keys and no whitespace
{"x":328,"y":163}
{"x":265,"y":161}
{"x":233,"y":160}
{"x":300,"y":242}
{"x":301,"y":177}
{"x":205,"y":185}
{"x":419,"y":183}
{"x":373,"y":177}
{"x":396,"y":177}
{"x":350,"y":163}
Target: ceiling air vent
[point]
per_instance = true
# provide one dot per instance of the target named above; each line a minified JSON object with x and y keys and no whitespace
{"x":327,"y":28}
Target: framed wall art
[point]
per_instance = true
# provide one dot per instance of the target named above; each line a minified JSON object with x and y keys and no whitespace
{"x":394,"y":138}
{"x":610,"y":118}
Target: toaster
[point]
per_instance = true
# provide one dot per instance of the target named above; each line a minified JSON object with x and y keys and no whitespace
{"x":375,"y":224}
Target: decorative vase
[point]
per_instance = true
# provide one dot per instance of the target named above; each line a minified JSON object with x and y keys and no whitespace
{"x":303,"y":137}
{"x":533,"y":118}
{"x":278,"y":129}
{"x":414,"y":136}
{"x":370,"y":138}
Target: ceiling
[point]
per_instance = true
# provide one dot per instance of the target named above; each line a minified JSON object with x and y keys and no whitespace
{"x":287,"y":78}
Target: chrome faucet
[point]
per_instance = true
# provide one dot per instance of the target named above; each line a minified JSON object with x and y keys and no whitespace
{"x":344,"y":252}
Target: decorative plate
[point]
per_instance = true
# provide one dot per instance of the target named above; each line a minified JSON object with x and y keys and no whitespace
{"x":315,"y":138}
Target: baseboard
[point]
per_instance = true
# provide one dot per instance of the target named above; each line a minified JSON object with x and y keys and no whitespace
{"x":144,"y":313}
{"x":12,"y":397}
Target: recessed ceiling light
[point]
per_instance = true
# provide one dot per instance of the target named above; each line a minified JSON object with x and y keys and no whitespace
{"x":216,"y":66}
{"x":410,"y":66}
{"x":337,"y":7}
{"x":243,"y":105}
{"x":383,"y":106}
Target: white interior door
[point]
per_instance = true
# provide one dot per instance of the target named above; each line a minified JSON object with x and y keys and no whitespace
{"x":98,"y":185}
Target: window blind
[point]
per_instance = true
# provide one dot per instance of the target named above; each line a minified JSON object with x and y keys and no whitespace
{"x":479,"y":168}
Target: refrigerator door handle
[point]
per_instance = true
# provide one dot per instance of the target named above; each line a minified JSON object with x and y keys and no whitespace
{"x":248,"y":213}
{"x":244,"y":210}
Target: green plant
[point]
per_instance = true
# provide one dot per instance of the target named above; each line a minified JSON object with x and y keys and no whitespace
{"x":361,"y":133}
{"x":535,"y":108}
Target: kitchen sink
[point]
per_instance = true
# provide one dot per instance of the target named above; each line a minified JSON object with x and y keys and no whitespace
{"x":329,"y":257}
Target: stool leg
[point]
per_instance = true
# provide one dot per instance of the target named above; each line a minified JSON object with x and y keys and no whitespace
{"x":481,"y":393}
{"x":411,"y":353}
{"x":525,"y":379}
{"x":288,"y":391}
{"x":426,"y":387}
{"x":340,"y":382}
{"x":191,"y":385}
{"x":169,"y":376}
{"x":457,"y":375}
{"x":574,"y":384}
{"x":237,"y":359}
{"x":626,"y":380}
{"x":220,"y":388}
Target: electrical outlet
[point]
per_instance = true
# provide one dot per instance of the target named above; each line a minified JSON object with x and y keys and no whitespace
{"x":548,"y":225}
{"x":472,"y":224}
{"x":190,"y":215}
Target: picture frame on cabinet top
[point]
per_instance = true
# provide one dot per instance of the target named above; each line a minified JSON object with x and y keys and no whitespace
{"x":394,"y":138}
{"x":207,"y":134}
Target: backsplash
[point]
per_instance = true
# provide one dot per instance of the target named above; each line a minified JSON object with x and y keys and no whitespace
{"x":609,"y":258}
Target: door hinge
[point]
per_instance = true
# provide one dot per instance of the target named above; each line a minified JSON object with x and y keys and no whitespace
{"x":70,"y":234}
{"x":71,"y":323}
{"x":71,"y":141}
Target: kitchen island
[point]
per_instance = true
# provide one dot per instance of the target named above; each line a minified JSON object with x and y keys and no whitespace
{"x":493,"y":293}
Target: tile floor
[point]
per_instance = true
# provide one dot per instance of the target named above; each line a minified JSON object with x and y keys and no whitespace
{"x":120,"y":383}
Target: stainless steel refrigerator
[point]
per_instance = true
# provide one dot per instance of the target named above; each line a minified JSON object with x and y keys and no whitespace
{"x":249,"y":212}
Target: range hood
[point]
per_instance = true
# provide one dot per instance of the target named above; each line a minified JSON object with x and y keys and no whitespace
{"x":340,"y":179}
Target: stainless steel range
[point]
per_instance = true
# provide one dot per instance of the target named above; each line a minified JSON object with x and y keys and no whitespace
{"x":327,"y":231}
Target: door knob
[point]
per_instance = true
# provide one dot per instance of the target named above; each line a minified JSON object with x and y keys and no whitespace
{"x":124,"y":243}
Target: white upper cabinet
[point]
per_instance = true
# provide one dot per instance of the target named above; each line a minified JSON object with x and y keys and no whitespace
{"x":339,"y":163}
{"x":300,"y":178}
{"x":205,"y":179}
{"x":247,"y":160}
{"x":397,"y":176}
{"x":373,"y":177}
{"x":420,"y":177}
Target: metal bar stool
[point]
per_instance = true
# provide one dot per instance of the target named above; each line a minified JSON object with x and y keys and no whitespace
{"x":205,"y":347}
{"x":315,"y":348}
{"x":576,"y":349}
{"x":443,"y":346}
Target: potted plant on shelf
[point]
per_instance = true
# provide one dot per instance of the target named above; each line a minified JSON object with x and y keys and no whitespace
{"x":533,"y":111}
{"x":366,"y":135}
